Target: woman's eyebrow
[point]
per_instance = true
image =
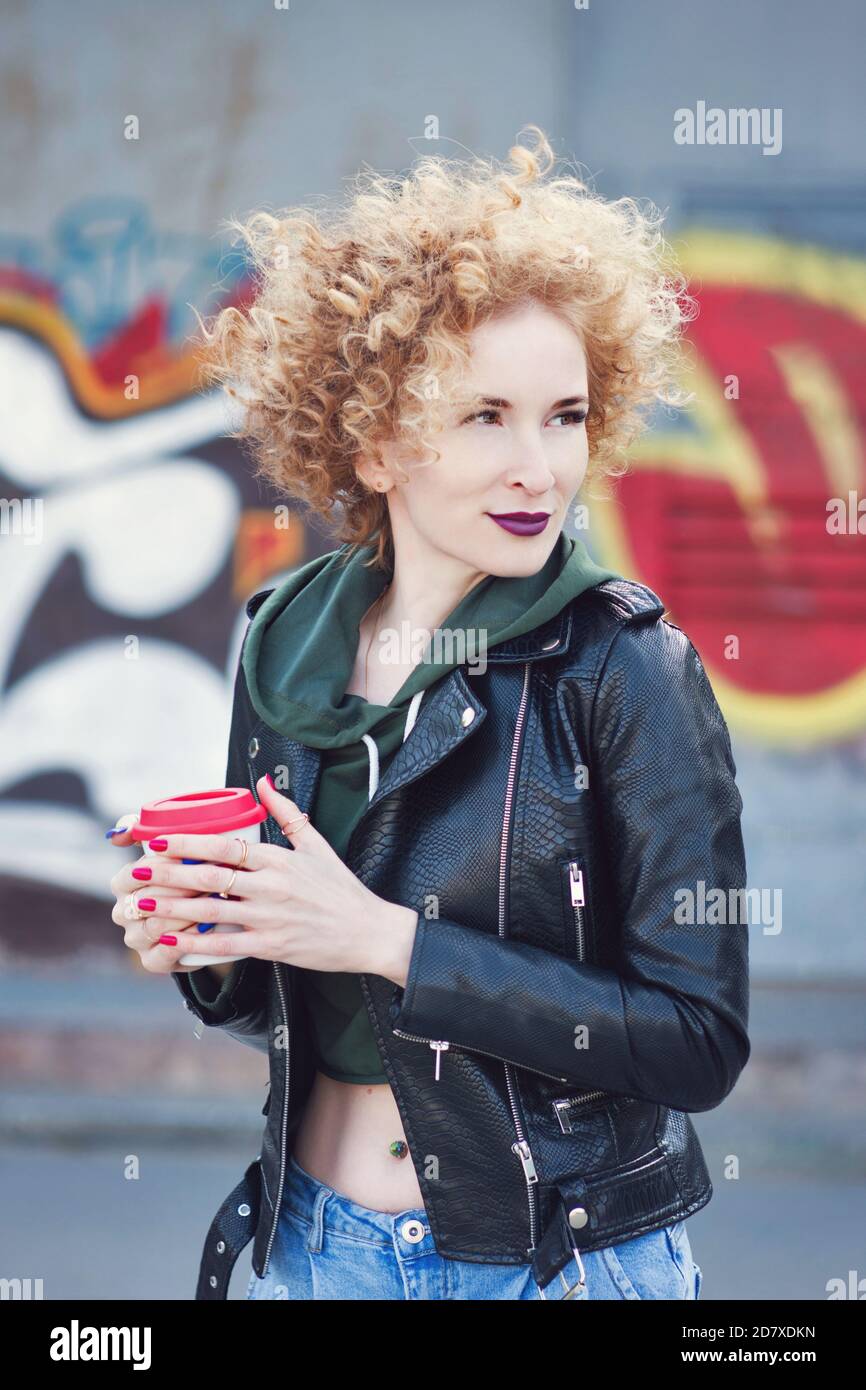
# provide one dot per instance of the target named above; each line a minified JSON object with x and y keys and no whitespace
{"x":499,"y":403}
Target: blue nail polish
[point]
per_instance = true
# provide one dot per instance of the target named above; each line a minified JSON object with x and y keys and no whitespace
{"x":206,"y":926}
{"x":115,"y":830}
{"x":192,"y":861}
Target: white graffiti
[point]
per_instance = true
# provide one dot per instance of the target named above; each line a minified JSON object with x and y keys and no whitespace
{"x":152,"y":526}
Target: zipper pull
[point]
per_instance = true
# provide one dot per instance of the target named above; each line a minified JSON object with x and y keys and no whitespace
{"x":521,"y":1148}
{"x":575,"y":878}
{"x":439,"y":1048}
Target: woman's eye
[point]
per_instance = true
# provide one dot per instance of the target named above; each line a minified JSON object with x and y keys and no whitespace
{"x":576,"y":416}
{"x":478,"y":415}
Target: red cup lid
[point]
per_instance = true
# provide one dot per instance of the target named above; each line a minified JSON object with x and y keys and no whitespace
{"x":199,"y":813}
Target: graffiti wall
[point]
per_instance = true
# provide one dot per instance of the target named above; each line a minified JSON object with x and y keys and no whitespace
{"x":132,"y":534}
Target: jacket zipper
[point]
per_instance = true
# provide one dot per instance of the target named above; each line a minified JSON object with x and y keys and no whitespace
{"x":445,"y":1046}
{"x":577,"y":889}
{"x":563,"y":1107}
{"x":285,"y":1115}
{"x":578,"y":902}
{"x":285,"y":1119}
{"x":520,"y":1147}
{"x":439,"y":1047}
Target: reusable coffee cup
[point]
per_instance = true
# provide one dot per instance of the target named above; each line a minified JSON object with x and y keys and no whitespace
{"x":226,"y":811}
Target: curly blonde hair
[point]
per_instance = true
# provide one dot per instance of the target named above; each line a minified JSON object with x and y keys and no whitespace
{"x":357,"y":331}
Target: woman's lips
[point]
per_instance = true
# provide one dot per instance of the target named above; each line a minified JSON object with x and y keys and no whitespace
{"x":521,"y":523}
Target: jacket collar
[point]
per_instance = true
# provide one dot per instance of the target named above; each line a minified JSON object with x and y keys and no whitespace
{"x":451,"y":710}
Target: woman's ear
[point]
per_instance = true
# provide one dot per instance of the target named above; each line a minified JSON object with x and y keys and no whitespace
{"x":373,"y":473}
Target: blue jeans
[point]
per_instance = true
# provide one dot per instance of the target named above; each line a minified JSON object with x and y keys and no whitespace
{"x":327,"y":1246}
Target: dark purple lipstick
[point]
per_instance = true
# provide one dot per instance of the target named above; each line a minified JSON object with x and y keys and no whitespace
{"x":521,"y":523}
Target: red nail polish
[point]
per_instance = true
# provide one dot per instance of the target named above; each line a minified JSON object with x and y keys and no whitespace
{"x":270,"y":781}
{"x":142,"y":873}
{"x":146,"y":904}
{"x":168,"y":940}
{"x":157,"y":844}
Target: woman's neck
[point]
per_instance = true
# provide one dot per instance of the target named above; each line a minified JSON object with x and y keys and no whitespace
{"x":423,"y":592}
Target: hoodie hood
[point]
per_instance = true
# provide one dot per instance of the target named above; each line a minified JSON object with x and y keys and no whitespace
{"x":302,"y":642}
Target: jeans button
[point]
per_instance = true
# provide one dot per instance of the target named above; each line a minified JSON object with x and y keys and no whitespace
{"x":412,"y":1231}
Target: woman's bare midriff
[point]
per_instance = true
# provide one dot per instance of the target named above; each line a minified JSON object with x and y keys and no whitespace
{"x":343,"y":1140}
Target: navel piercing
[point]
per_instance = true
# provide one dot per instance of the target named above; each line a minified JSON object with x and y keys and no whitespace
{"x":399,"y":1148}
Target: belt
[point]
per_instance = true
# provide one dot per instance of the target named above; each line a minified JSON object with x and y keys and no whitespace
{"x":232,"y":1228}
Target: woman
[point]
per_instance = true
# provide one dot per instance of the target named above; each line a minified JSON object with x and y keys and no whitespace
{"x":498,"y":768}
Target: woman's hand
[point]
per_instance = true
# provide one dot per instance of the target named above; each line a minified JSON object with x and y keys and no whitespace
{"x":142,"y":934}
{"x":299,"y":905}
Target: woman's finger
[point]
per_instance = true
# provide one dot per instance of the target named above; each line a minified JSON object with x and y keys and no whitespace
{"x":140,"y":936}
{"x":227,"y":943}
{"x":122,"y":914}
{"x":295,"y":825}
{"x":205,"y":908}
{"x":217,"y":849}
{"x":161,"y":959}
{"x":195,"y":876}
{"x":120,"y":832}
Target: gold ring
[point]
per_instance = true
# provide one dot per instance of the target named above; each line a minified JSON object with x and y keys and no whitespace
{"x":133,"y":911}
{"x":244,"y":844}
{"x":291,"y":826}
{"x":228,"y":889}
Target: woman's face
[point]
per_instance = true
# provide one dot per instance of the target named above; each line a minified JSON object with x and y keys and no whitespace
{"x":523,"y":450}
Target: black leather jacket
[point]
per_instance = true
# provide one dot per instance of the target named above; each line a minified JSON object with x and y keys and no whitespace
{"x":559,"y":1020}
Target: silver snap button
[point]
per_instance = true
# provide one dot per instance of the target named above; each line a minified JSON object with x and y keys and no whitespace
{"x":253,"y":747}
{"x":548,"y":646}
{"x":412,"y":1231}
{"x":467,"y":716}
{"x":213,"y":1281}
{"x":577,"y":1217}
{"x":243,"y":1209}
{"x":221,"y":1245}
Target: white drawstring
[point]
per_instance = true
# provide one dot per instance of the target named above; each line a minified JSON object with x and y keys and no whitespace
{"x":414,"y":706}
{"x":373,"y":751}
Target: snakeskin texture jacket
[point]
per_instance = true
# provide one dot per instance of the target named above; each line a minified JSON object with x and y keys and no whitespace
{"x":562,"y":823}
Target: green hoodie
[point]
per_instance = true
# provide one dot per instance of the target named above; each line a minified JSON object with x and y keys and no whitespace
{"x":298,"y":658}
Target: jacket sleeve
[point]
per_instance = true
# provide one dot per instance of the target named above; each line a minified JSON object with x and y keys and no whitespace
{"x":237,"y":1004}
{"x":669,"y":1022}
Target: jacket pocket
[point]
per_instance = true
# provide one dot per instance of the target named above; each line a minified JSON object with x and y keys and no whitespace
{"x":569,"y":1109}
{"x":575,"y":916}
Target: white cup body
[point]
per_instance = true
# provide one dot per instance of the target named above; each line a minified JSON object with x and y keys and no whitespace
{"x":252,"y":834}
